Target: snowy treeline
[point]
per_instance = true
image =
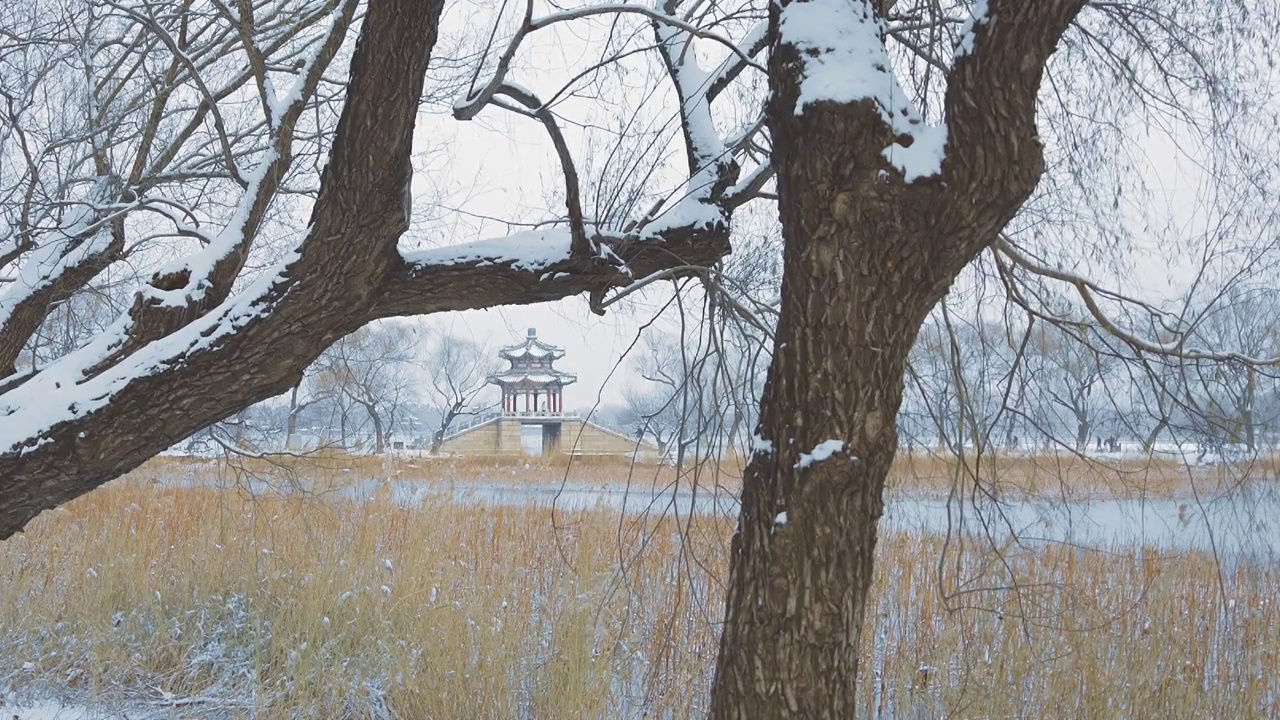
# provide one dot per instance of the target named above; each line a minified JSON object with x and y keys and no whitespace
{"x":387,"y":386}
{"x":975,"y":379}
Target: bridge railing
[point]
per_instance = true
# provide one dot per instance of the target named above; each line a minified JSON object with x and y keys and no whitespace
{"x":481,"y":419}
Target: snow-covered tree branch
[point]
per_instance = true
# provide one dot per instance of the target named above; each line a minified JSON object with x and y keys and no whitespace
{"x":190,"y":120}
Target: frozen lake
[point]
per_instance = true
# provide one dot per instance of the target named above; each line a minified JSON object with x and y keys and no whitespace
{"x":1243,"y":526}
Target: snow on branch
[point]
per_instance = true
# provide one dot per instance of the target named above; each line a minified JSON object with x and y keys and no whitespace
{"x":77,"y":235}
{"x":468,"y":107}
{"x":699,"y":202}
{"x":841,"y":46}
{"x":67,"y":389}
{"x":193,"y":285}
{"x":197,"y":268}
{"x":581,"y":245}
{"x":529,"y":251}
{"x":978,"y":14}
{"x":58,"y":262}
{"x":711,"y":166}
{"x":756,"y":40}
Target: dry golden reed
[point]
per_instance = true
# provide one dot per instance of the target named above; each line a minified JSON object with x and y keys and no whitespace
{"x":215,"y":603}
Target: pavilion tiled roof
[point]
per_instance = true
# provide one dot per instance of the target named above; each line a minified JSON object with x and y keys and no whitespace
{"x":537,"y":377}
{"x":532,"y":350}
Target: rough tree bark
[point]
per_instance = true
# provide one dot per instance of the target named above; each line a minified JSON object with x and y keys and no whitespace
{"x":866,"y":255}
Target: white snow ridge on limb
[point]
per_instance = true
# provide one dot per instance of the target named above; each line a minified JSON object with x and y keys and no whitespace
{"x":821,"y":452}
{"x":845,"y":61}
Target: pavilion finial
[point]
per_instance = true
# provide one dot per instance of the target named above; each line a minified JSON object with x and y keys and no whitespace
{"x":533,"y":332}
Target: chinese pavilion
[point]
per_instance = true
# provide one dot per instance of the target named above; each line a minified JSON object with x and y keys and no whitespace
{"x":532,"y":385}
{"x":533,"y":419}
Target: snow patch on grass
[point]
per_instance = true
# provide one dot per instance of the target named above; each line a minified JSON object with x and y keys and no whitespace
{"x":46,"y":711}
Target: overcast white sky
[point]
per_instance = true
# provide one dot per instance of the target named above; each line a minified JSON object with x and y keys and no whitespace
{"x":502,"y":166}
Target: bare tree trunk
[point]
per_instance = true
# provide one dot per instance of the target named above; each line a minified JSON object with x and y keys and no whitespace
{"x":1083,"y":428}
{"x":802,"y":557}
{"x":379,"y":434}
{"x":371,"y":410}
{"x":379,"y":439}
{"x":450,"y":415}
{"x":437,"y":438}
{"x":1150,"y":441}
{"x":866,"y":256}
{"x":291,"y":428}
{"x":1246,"y":410}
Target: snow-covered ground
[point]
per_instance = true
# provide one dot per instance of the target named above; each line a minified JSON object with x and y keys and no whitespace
{"x":54,"y":710}
{"x":1192,"y":453}
{"x":49,"y":710}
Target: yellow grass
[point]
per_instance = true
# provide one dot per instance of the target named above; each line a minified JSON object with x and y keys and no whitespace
{"x":303,"y":607}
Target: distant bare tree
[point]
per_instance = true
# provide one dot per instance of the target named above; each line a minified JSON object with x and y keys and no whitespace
{"x":955,"y":379}
{"x":1069,"y":378}
{"x":457,"y":371}
{"x":652,"y":412}
{"x":372,"y":369}
{"x":1224,"y":398}
{"x":696,"y":390}
{"x":298,"y":404}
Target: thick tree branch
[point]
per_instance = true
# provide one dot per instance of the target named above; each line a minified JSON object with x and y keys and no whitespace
{"x":536,"y":267}
{"x":65,"y":261}
{"x":65,"y":435}
{"x":996,"y":155}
